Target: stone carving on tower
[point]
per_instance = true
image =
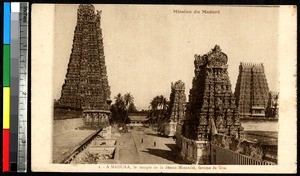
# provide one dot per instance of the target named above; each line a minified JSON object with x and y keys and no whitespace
{"x":211,"y":99}
{"x":177,"y":101}
{"x":86,"y":86}
{"x":252,"y":91}
{"x":211,"y":107}
{"x":176,"y":108}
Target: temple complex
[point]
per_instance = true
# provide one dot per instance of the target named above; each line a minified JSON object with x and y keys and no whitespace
{"x":211,"y":108}
{"x":176,"y":110}
{"x":252,"y":91}
{"x":86,"y":86}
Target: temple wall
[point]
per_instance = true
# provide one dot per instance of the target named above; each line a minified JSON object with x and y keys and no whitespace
{"x":178,"y":135}
{"x":60,"y":114}
{"x":224,"y":156}
{"x":195,"y":152}
{"x":259,"y":124}
{"x":230,"y":150}
{"x":60,"y":126}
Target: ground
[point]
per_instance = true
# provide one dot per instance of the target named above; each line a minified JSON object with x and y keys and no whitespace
{"x":144,"y":146}
{"x":141,"y":145}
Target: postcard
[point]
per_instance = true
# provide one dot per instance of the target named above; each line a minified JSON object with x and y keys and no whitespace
{"x":163,"y":88}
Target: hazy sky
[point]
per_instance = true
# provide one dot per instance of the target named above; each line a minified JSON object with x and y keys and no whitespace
{"x":148,"y":47}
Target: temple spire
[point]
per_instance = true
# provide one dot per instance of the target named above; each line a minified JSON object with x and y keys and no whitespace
{"x":251,"y":90}
{"x":86,"y":83}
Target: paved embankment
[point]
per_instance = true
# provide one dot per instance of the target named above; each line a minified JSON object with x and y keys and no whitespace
{"x":67,"y":140}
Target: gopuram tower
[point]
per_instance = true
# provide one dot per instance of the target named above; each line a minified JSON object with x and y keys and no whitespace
{"x":211,"y":108}
{"x":86,"y":86}
{"x":176,"y":109}
{"x":252,"y":91}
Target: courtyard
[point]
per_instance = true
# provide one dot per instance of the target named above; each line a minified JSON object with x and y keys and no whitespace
{"x":140,"y":145}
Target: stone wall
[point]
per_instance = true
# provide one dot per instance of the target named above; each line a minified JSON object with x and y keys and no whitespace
{"x":222,"y":156}
{"x":60,"y":126}
{"x":256,"y":151}
{"x":195,"y":152}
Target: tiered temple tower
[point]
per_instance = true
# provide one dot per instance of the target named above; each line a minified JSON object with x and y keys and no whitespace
{"x":211,"y":108}
{"x":252,"y":91}
{"x":86,"y":86}
{"x":176,"y":109}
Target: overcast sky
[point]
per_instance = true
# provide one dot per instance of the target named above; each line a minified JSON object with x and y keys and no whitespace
{"x":148,"y":47}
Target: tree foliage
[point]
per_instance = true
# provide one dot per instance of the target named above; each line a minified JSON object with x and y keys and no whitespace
{"x":121,"y":107}
{"x":158,"y":109}
{"x":132,"y":108}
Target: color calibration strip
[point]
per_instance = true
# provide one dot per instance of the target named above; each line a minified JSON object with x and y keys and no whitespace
{"x":6,"y":87}
{"x":15,"y":69}
{"x":14,"y":82}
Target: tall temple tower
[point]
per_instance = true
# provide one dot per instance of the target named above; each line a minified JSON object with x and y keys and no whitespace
{"x":176,"y":109}
{"x":252,"y":91}
{"x":211,"y":108}
{"x":86,"y":84}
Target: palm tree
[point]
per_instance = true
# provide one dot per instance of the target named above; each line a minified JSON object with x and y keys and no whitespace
{"x":158,"y":106}
{"x":119,"y":101}
{"x":120,"y":107}
{"x":162,"y":103}
{"x":154,"y":106}
{"x":128,"y":99}
{"x":131,"y":108}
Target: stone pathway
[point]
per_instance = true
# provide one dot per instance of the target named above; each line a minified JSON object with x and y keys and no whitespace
{"x":128,"y":153}
{"x":155,"y":149}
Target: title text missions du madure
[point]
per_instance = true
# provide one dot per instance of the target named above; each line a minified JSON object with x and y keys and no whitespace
{"x":198,"y":11}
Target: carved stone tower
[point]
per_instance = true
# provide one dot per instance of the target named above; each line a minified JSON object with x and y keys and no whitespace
{"x":211,"y":108}
{"x":86,"y":84}
{"x":252,"y":91}
{"x":176,"y":109}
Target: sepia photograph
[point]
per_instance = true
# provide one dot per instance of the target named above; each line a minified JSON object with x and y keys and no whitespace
{"x":162,"y":88}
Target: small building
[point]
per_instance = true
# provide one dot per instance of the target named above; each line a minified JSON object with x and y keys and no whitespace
{"x":137,"y":119}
